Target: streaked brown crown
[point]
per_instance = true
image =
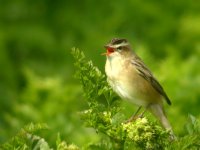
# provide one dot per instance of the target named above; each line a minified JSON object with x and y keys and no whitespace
{"x":117,"y":41}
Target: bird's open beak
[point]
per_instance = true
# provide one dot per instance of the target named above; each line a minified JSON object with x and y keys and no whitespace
{"x":109,"y":50}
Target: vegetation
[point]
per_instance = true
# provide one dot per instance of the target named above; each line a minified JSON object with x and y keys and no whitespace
{"x":105,"y":116}
{"x":36,"y":77}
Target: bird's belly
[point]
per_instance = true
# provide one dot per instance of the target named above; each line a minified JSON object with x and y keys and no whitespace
{"x":132,"y":96}
{"x":127,"y":88}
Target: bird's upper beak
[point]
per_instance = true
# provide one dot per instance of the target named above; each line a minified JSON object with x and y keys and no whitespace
{"x":106,"y":46}
{"x":109,"y":49}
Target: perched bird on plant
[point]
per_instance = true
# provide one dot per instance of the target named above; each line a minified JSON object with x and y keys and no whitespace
{"x":133,"y":81}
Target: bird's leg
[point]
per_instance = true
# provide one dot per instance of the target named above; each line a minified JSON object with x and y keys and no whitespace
{"x":134,"y":116}
{"x":142,"y":114}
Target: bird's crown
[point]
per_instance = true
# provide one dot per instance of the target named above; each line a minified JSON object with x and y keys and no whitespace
{"x":117,"y":42}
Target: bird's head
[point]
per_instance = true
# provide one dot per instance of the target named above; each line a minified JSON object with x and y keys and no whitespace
{"x":117,"y":46}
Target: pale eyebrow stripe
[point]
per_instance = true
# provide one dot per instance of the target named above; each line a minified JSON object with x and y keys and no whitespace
{"x":118,"y":45}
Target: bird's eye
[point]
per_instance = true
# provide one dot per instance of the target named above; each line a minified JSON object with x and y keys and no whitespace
{"x":119,"y":48}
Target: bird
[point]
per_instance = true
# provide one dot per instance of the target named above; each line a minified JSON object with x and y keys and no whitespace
{"x":130,"y":78}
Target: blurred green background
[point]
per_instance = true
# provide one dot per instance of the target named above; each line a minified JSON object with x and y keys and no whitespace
{"x":36,"y":77}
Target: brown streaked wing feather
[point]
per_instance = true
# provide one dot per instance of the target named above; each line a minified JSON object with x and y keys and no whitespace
{"x":147,"y":75}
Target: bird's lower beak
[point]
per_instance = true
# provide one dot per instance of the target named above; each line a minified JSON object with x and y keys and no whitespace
{"x":103,"y":54}
{"x":106,"y":47}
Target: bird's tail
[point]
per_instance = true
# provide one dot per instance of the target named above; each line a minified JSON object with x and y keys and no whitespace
{"x":158,"y":111}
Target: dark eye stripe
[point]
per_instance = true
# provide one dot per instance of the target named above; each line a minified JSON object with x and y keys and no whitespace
{"x":119,"y":48}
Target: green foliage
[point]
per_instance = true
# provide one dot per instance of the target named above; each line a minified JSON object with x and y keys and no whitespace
{"x":192,"y":139}
{"x":106,"y":117}
{"x":36,"y":67}
{"x":28,"y":139}
{"x":193,"y":125}
{"x":62,"y":145}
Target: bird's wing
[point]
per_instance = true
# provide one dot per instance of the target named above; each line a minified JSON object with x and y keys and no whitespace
{"x":147,"y":75}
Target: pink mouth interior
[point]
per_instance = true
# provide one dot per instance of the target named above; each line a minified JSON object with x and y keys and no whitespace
{"x":110,"y":50}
